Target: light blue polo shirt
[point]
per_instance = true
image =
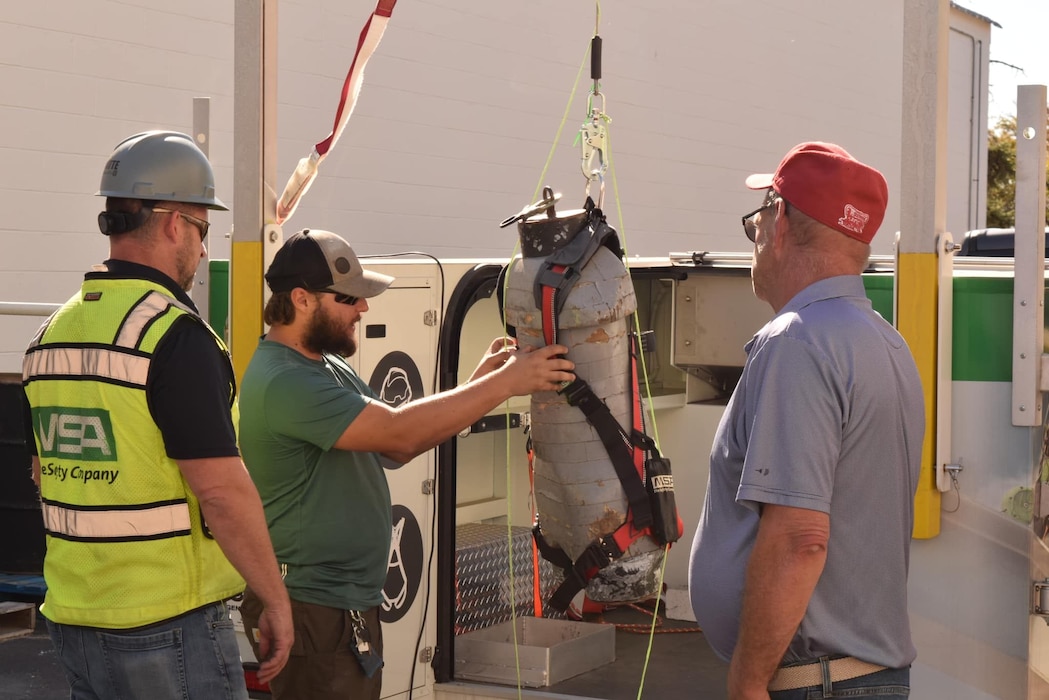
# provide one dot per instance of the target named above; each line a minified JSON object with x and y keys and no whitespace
{"x":828,"y":415}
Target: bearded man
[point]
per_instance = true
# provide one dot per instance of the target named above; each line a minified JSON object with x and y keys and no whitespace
{"x":311,"y":433}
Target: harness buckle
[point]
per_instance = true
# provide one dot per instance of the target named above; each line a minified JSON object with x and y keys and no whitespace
{"x":574,"y":391}
{"x":609,"y":548}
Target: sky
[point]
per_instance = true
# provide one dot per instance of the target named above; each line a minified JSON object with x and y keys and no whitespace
{"x":1021,"y":42}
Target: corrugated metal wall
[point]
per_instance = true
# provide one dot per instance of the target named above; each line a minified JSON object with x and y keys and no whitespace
{"x":459,"y":109}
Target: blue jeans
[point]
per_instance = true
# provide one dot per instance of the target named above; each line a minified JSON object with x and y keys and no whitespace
{"x":187,"y":657}
{"x":882,"y":685}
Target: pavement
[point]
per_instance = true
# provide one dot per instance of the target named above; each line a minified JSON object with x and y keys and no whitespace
{"x":29,"y":668}
{"x":679,"y":664}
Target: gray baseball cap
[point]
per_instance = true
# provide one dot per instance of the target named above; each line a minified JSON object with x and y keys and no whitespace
{"x":317,"y":261}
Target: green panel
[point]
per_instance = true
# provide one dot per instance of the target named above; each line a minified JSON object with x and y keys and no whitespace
{"x":983,"y":329}
{"x":983,"y":324}
{"x":218,"y":296}
{"x":879,"y":291}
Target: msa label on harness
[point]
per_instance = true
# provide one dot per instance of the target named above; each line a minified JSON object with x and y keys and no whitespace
{"x":86,"y":433}
{"x":662,"y":482}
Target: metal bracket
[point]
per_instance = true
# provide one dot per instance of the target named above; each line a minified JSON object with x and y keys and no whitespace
{"x":1040,"y":599}
{"x":495,"y":422}
{"x":947,"y":475}
{"x":550,"y":198}
{"x":426,"y":655}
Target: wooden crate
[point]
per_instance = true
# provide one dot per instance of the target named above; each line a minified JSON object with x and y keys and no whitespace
{"x":16,"y":619}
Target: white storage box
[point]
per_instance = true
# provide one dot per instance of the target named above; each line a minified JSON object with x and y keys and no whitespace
{"x":549,"y":651}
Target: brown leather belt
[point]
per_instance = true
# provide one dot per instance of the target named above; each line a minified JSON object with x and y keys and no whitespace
{"x":792,"y":677}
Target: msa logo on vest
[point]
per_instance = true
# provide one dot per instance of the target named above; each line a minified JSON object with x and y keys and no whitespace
{"x":84,"y":433}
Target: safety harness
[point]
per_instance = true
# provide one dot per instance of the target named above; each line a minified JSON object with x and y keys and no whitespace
{"x":643,"y":473}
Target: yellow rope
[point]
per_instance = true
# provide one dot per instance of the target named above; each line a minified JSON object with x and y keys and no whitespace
{"x":510,"y":555}
{"x":560,"y":128}
{"x":626,"y":261}
{"x":651,"y":410}
{"x":509,"y":476}
{"x":655,"y":617}
{"x":644,"y":372}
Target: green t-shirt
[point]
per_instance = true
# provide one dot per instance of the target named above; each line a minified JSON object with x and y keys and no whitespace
{"x":328,"y":510}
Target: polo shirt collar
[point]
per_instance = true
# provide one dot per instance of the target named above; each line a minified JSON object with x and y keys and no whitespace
{"x":829,"y":288}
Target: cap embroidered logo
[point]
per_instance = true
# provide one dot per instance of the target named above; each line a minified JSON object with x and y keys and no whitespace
{"x":854,"y":219}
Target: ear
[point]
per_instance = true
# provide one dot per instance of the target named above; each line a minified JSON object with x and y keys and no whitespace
{"x":301,"y":299}
{"x":167,"y":227}
{"x":780,"y":226}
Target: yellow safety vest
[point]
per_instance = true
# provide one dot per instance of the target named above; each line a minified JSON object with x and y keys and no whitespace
{"x":126,"y":543}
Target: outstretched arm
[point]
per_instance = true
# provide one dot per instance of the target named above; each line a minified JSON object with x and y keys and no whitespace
{"x":404,"y":432}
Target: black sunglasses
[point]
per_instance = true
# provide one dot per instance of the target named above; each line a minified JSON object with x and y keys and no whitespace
{"x":341,"y":298}
{"x":750,"y":227}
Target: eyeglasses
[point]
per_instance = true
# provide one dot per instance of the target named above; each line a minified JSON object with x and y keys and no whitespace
{"x":202,"y":226}
{"x":750,"y":226}
{"x":341,"y":298}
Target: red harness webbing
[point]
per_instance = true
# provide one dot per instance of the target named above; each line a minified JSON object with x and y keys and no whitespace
{"x":601,"y":552}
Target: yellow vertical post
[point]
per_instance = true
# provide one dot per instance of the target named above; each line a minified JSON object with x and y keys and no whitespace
{"x":245,"y":316}
{"x":917,"y":290}
{"x":923,"y":216}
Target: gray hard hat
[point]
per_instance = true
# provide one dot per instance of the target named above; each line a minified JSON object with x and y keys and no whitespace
{"x":162,"y":166}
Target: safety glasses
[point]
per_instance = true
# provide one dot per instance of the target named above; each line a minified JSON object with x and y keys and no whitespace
{"x":750,"y":225}
{"x":341,"y":298}
{"x":202,"y":226}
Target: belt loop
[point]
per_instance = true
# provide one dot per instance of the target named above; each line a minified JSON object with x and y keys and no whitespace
{"x":828,"y":687}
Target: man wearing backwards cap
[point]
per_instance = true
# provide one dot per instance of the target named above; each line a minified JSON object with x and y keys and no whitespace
{"x":311,"y":432}
{"x":798,"y":574}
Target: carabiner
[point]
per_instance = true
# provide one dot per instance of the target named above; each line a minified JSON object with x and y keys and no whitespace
{"x":593,"y":136}
{"x":600,"y":177}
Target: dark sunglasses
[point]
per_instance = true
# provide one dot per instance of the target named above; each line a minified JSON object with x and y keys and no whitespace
{"x":341,"y":298}
{"x":750,"y":226}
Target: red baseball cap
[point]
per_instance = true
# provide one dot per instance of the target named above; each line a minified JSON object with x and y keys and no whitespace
{"x":823,"y":181}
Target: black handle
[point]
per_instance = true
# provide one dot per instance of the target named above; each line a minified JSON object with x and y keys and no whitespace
{"x":595,"y":58}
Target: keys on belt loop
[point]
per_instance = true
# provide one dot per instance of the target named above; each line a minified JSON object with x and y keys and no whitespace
{"x":359,"y":629}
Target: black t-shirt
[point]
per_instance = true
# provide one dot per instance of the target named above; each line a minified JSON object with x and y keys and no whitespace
{"x":190,"y":380}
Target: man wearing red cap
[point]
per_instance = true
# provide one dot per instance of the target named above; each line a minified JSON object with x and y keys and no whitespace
{"x":798,"y":574}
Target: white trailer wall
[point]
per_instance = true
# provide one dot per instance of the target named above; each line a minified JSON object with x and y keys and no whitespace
{"x":459,"y":109}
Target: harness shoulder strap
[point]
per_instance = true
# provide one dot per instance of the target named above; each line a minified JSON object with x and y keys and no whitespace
{"x":561,"y":270}
{"x":618,"y":445}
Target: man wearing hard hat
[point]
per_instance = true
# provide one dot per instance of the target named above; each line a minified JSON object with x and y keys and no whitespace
{"x":151,"y":519}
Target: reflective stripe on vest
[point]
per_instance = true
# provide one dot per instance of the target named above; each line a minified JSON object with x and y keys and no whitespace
{"x":151,"y":521}
{"x":126,"y":541}
{"x":150,"y":308}
{"x":106,"y":364}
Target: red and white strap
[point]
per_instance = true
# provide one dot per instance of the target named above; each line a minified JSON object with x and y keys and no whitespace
{"x":306,"y":170}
